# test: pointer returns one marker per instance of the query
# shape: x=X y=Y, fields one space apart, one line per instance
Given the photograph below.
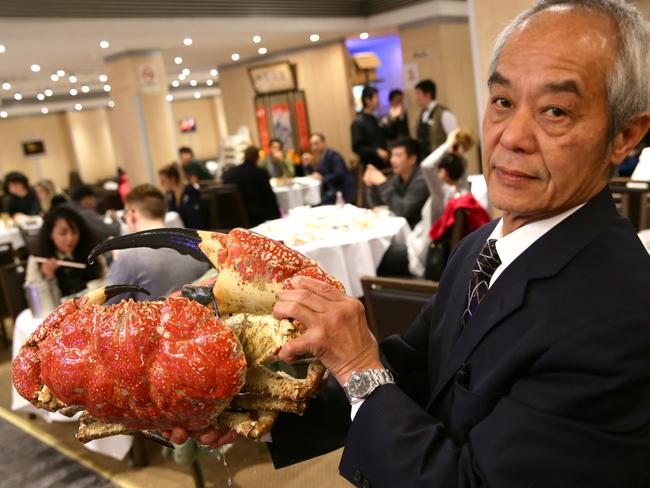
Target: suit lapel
x=546 y=257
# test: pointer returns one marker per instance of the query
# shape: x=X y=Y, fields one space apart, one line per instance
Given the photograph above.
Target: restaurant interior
x=97 y=98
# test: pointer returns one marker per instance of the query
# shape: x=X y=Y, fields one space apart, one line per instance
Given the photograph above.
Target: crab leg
x=262 y=380
x=245 y=425
x=101 y=295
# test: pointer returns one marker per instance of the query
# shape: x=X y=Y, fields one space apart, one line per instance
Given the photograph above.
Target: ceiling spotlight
x=78 y=106
x=48 y=93
x=314 y=38
x=178 y=60
x=214 y=72
x=54 y=77
x=193 y=83
x=186 y=71
x=85 y=89
x=257 y=39
x=175 y=83
x=6 y=86
x=107 y=88
x=182 y=77
x=3 y=114
x=40 y=96
x=197 y=95
x=72 y=79
x=18 y=96
x=73 y=92
x=104 y=44
x=44 y=110
x=262 y=50
x=103 y=78
x=60 y=73
x=3 y=48
x=35 y=68
x=235 y=57
x=170 y=98
x=187 y=41
x=111 y=103
x=209 y=82
x=364 y=36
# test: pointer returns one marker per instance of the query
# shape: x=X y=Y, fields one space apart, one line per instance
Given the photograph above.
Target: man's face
x=401 y=162
x=186 y=157
x=17 y=189
x=317 y=144
x=275 y=146
x=422 y=99
x=372 y=103
x=546 y=122
x=397 y=101
x=89 y=201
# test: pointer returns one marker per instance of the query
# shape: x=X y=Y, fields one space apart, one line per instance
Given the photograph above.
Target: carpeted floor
x=247 y=464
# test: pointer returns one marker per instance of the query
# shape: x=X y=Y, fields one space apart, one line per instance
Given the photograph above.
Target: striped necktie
x=488 y=260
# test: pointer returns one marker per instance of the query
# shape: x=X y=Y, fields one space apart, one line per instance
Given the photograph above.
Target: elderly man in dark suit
x=530 y=368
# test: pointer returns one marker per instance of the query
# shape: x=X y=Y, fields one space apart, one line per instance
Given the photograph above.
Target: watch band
x=373 y=377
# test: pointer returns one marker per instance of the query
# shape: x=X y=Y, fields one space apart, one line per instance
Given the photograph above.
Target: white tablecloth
x=298 y=192
x=11 y=235
x=346 y=242
x=116 y=447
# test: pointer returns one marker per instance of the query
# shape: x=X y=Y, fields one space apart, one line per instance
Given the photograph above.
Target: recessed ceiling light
x=35 y=68
x=60 y=73
x=170 y=98
x=40 y=96
x=175 y=83
x=111 y=103
x=78 y=106
x=48 y=93
x=193 y=82
x=214 y=72
x=209 y=82
x=72 y=79
x=197 y=95
x=178 y=60
x=18 y=96
x=3 y=48
x=107 y=88
x=235 y=57
x=6 y=86
x=187 y=41
x=85 y=89
x=182 y=77
x=314 y=38
x=44 y=110
x=3 y=114
x=363 y=35
x=262 y=50
x=186 y=71
x=73 y=92
x=257 y=39
x=104 y=44
x=103 y=78
x=54 y=77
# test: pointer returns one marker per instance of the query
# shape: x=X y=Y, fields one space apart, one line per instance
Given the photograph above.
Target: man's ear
x=629 y=137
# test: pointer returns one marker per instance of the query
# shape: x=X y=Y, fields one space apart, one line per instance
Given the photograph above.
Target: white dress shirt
x=510 y=247
x=448 y=119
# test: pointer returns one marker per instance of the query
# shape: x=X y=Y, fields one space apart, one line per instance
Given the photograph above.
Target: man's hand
x=459 y=140
x=383 y=154
x=212 y=437
x=395 y=112
x=373 y=177
x=317 y=176
x=336 y=329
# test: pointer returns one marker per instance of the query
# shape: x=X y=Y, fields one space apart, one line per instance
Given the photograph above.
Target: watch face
x=359 y=385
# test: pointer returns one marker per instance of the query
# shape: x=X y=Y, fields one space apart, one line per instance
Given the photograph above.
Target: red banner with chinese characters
x=261 y=123
x=303 y=127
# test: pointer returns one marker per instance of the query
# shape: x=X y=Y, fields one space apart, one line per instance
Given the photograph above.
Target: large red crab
x=141 y=366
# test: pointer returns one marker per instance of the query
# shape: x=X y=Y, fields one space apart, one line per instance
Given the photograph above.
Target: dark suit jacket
x=548 y=386
x=367 y=137
x=256 y=191
x=336 y=177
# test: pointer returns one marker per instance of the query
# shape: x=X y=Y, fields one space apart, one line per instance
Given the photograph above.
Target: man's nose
x=519 y=132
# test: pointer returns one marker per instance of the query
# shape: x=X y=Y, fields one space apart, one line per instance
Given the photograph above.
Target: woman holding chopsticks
x=65 y=241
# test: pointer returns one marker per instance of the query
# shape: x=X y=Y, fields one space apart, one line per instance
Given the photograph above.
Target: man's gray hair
x=628 y=83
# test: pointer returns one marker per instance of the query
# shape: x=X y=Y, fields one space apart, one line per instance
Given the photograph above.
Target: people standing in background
x=195 y=170
x=180 y=198
x=330 y=168
x=123 y=186
x=368 y=137
x=254 y=187
x=277 y=163
x=436 y=121
x=396 y=121
x=48 y=196
x=20 y=198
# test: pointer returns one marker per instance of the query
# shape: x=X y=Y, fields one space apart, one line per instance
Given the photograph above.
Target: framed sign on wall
x=273 y=78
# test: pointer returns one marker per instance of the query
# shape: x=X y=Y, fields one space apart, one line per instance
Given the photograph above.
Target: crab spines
x=184 y=241
x=105 y=293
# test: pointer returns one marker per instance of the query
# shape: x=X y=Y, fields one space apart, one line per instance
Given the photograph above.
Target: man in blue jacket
x=331 y=170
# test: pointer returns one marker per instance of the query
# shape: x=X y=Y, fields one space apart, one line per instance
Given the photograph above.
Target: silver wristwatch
x=363 y=383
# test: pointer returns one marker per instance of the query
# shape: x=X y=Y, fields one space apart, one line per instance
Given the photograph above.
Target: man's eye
x=501 y=102
x=555 y=112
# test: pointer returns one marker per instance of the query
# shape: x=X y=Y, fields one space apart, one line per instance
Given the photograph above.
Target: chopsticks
x=67 y=264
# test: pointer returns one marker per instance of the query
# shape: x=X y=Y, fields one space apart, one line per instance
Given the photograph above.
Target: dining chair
x=393 y=303
x=12 y=277
x=225 y=207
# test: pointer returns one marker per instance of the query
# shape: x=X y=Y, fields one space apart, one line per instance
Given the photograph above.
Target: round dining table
x=296 y=192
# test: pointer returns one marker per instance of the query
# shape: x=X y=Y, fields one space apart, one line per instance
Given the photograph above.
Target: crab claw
x=101 y=295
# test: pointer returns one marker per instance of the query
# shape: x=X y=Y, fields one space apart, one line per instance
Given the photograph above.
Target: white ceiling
x=73 y=44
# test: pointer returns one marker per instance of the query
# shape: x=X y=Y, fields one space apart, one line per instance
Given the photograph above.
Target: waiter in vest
x=436 y=121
